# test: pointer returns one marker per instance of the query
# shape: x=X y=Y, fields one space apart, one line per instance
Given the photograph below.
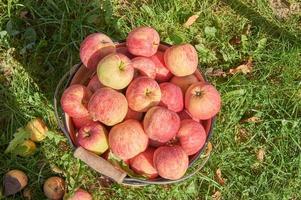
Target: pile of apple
x=143 y=105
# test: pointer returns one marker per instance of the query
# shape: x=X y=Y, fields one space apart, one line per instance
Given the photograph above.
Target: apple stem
x=122 y=65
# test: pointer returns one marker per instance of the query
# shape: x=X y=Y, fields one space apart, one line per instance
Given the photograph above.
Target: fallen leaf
x=23 y=14
x=217 y=195
x=216 y=73
x=260 y=154
x=208 y=149
x=252 y=119
x=190 y=21
x=244 y=68
x=219 y=178
x=247 y=29
x=241 y=135
x=236 y=40
x=56 y=169
x=280 y=8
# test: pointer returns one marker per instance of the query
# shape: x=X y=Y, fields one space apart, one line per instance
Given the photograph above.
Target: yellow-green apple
x=145 y=66
x=172 y=97
x=94 y=47
x=161 y=124
x=127 y=139
x=143 y=163
x=192 y=136
x=143 y=41
x=162 y=73
x=37 y=129
x=171 y=162
x=93 y=137
x=75 y=99
x=108 y=106
x=27 y=148
x=184 y=82
x=143 y=93
x=181 y=60
x=115 y=71
x=202 y=101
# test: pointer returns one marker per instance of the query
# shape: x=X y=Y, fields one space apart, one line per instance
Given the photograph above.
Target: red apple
x=184 y=114
x=143 y=41
x=192 y=136
x=131 y=114
x=143 y=93
x=172 y=97
x=94 y=84
x=80 y=122
x=181 y=60
x=145 y=66
x=184 y=82
x=74 y=101
x=202 y=101
x=127 y=139
x=108 y=106
x=124 y=51
x=161 y=124
x=93 y=137
x=143 y=163
x=94 y=48
x=171 y=162
x=81 y=194
x=115 y=71
x=162 y=73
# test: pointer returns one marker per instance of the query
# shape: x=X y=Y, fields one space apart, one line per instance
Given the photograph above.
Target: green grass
x=37 y=48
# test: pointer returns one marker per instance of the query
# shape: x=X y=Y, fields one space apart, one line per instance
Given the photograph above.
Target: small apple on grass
x=161 y=124
x=115 y=71
x=75 y=99
x=143 y=41
x=181 y=60
x=202 y=101
x=143 y=93
x=54 y=188
x=171 y=162
x=14 y=181
x=108 y=106
x=94 y=48
x=127 y=139
x=93 y=137
x=37 y=129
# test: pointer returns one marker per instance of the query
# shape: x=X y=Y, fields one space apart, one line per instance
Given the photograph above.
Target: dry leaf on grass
x=281 y=8
x=244 y=68
x=190 y=20
x=219 y=178
x=260 y=155
x=56 y=169
x=252 y=119
x=241 y=135
x=215 y=72
x=217 y=195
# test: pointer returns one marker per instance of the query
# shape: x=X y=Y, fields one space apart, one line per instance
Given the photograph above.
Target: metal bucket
x=79 y=74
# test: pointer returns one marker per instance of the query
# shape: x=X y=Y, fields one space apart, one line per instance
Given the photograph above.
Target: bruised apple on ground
x=93 y=137
x=108 y=106
x=94 y=47
x=128 y=139
x=54 y=188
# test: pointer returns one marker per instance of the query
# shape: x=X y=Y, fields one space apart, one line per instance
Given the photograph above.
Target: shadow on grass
x=258 y=20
